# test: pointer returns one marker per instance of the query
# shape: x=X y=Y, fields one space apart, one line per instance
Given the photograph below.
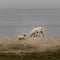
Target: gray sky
x=29 y=3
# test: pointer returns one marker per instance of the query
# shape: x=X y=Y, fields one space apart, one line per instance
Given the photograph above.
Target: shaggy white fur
x=22 y=37
x=37 y=31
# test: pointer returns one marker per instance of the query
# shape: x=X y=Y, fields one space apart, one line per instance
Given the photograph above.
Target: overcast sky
x=29 y=3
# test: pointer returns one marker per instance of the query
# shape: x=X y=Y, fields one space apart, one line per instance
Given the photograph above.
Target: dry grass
x=13 y=45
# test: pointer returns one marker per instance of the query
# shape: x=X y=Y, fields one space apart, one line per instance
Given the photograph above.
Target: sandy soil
x=37 y=44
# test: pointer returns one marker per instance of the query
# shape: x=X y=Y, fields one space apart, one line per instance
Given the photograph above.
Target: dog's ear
x=24 y=35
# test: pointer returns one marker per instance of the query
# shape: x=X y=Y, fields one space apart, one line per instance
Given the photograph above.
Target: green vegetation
x=50 y=55
x=32 y=49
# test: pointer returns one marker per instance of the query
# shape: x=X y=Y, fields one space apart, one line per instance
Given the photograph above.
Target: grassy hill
x=31 y=48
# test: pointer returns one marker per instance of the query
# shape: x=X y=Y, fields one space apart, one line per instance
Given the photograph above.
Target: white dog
x=22 y=37
x=37 y=31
